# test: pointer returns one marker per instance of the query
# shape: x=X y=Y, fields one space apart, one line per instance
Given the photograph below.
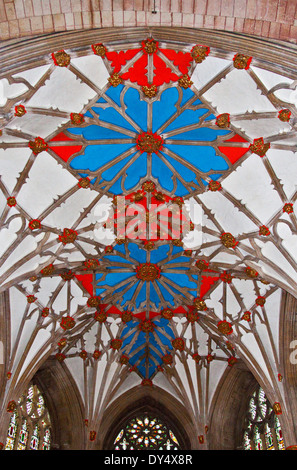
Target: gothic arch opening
x=227 y=419
x=64 y=404
x=157 y=403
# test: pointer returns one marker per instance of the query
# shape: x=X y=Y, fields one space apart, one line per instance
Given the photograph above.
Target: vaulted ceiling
x=92 y=137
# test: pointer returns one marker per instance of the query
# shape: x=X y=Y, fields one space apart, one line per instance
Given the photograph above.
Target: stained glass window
x=12 y=430
x=46 y=440
x=23 y=436
x=279 y=434
x=146 y=433
x=29 y=426
x=35 y=438
x=262 y=431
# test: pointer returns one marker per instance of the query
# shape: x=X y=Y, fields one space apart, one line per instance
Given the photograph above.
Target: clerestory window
x=29 y=427
x=262 y=430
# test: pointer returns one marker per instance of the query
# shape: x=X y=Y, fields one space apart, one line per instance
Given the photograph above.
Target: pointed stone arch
x=229 y=408
x=155 y=401
x=64 y=405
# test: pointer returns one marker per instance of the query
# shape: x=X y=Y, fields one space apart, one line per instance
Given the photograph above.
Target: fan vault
x=154 y=122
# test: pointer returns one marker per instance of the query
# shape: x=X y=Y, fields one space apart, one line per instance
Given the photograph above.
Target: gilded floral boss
x=160 y=218
x=148 y=272
x=149 y=142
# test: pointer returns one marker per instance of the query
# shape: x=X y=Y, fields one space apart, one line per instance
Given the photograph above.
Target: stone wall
x=274 y=19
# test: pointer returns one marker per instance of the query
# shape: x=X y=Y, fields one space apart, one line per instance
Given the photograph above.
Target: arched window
x=29 y=427
x=262 y=430
x=146 y=432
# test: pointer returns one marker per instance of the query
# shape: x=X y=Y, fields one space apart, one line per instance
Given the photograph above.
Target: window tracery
x=29 y=427
x=146 y=432
x=263 y=430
